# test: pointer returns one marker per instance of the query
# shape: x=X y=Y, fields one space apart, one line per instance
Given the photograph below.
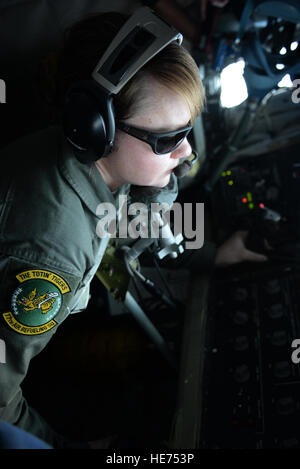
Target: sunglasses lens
x=168 y=144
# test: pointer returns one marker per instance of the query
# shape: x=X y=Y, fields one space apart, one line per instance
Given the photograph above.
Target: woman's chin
x=163 y=182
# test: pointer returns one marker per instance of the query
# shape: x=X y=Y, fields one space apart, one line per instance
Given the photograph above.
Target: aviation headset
x=88 y=115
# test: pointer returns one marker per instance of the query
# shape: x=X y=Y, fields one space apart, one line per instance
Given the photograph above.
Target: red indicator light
x=244 y=200
x=261 y=205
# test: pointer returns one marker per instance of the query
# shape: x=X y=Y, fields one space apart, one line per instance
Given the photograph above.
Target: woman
x=49 y=249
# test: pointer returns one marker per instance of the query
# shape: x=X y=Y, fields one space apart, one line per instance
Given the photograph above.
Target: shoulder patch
x=36 y=301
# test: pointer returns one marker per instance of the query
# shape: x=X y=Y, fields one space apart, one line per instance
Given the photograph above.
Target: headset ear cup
x=88 y=122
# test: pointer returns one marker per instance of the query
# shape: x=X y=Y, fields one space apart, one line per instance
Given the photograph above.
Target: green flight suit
x=49 y=252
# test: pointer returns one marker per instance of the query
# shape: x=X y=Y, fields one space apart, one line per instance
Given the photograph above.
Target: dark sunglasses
x=161 y=143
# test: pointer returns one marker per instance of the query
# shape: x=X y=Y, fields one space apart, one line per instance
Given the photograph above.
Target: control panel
x=249 y=189
x=251 y=383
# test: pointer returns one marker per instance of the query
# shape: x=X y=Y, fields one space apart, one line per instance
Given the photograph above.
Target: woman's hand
x=234 y=250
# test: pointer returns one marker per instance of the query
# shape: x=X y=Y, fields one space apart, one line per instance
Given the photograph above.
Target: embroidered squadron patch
x=36 y=301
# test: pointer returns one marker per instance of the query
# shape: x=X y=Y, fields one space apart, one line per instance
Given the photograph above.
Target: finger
x=254 y=256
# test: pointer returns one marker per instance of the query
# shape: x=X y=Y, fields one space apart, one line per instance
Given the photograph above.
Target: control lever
x=266 y=235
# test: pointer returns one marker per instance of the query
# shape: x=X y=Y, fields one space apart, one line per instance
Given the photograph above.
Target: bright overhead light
x=233 y=85
x=285 y=82
x=283 y=51
x=280 y=66
x=294 y=45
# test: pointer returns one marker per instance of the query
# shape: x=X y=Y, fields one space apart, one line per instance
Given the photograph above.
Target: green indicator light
x=249 y=196
x=228 y=173
x=251 y=206
x=224 y=173
x=230 y=182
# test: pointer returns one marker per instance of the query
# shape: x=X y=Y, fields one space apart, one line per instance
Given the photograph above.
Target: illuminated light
x=280 y=66
x=261 y=205
x=233 y=85
x=251 y=206
x=283 y=51
x=223 y=173
x=230 y=183
x=285 y=82
x=249 y=196
x=244 y=200
x=228 y=173
x=294 y=45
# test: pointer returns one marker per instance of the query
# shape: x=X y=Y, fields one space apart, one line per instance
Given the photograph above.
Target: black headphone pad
x=88 y=121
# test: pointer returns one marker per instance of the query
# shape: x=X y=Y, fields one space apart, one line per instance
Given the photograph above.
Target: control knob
x=276 y=311
x=282 y=369
x=240 y=318
x=279 y=338
x=242 y=373
x=273 y=286
x=241 y=343
x=285 y=406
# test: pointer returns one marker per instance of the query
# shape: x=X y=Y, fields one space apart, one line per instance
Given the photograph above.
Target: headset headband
x=140 y=39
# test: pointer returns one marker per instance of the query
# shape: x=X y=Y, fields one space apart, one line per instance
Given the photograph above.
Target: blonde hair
x=174 y=68
x=88 y=39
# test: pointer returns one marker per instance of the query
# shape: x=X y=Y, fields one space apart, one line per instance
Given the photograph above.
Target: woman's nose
x=183 y=150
